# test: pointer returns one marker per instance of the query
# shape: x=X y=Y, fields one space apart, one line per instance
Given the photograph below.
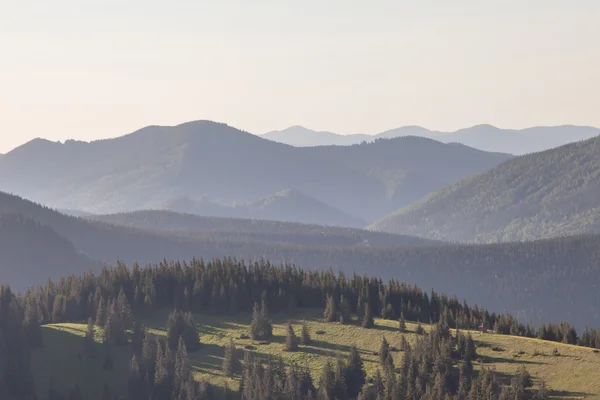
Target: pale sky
x=89 y=69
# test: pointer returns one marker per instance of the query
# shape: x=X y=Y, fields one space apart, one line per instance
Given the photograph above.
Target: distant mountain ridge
x=541 y=195
x=157 y=164
x=484 y=137
x=286 y=205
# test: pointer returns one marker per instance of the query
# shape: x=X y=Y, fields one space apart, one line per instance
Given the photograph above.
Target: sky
x=90 y=69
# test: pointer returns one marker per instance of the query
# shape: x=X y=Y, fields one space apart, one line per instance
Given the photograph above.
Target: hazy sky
x=88 y=69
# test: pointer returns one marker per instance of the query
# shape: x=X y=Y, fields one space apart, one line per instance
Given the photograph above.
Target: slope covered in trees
x=229 y=229
x=207 y=297
x=546 y=280
x=547 y=194
x=286 y=205
x=203 y=158
x=31 y=252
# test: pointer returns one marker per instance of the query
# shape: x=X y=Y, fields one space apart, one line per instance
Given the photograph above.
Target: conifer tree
x=183 y=369
x=305 y=339
x=384 y=351
x=101 y=313
x=402 y=323
x=355 y=372
x=345 y=316
x=260 y=328
x=31 y=322
x=330 y=314
x=326 y=382
x=124 y=309
x=231 y=363
x=135 y=383
x=367 y=321
x=89 y=339
x=340 y=387
x=291 y=340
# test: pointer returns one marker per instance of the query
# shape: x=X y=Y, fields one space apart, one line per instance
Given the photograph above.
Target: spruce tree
x=260 y=328
x=326 y=382
x=345 y=316
x=384 y=351
x=183 y=369
x=31 y=323
x=231 y=363
x=355 y=372
x=330 y=314
x=135 y=383
x=367 y=321
x=101 y=313
x=305 y=339
x=89 y=339
x=124 y=309
x=291 y=340
x=402 y=323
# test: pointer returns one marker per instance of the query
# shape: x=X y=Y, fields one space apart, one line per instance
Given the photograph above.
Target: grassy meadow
x=573 y=373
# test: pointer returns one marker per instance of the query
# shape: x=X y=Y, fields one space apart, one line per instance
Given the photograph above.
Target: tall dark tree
x=355 y=372
x=231 y=362
x=305 y=339
x=291 y=340
x=367 y=321
x=330 y=313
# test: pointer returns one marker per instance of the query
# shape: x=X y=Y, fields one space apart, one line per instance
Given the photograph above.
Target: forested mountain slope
x=29 y=250
x=187 y=225
x=547 y=194
x=203 y=158
x=552 y=279
x=411 y=167
x=286 y=205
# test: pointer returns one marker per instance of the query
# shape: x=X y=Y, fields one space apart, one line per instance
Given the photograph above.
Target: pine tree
x=260 y=328
x=231 y=363
x=326 y=382
x=330 y=314
x=183 y=369
x=367 y=321
x=291 y=340
x=345 y=316
x=384 y=351
x=305 y=339
x=31 y=323
x=114 y=331
x=355 y=372
x=402 y=323
x=101 y=313
x=124 y=309
x=190 y=333
x=135 y=384
x=89 y=339
x=340 y=387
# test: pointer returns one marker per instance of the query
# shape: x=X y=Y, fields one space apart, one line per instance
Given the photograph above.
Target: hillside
x=30 y=250
x=286 y=205
x=571 y=375
x=399 y=165
x=547 y=194
x=202 y=158
x=547 y=280
x=259 y=232
x=483 y=137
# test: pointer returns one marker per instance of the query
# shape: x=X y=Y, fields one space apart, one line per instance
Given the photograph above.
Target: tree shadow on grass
x=507 y=360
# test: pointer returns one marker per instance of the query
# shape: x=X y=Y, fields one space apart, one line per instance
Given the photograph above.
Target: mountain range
x=483 y=137
x=157 y=166
x=547 y=194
